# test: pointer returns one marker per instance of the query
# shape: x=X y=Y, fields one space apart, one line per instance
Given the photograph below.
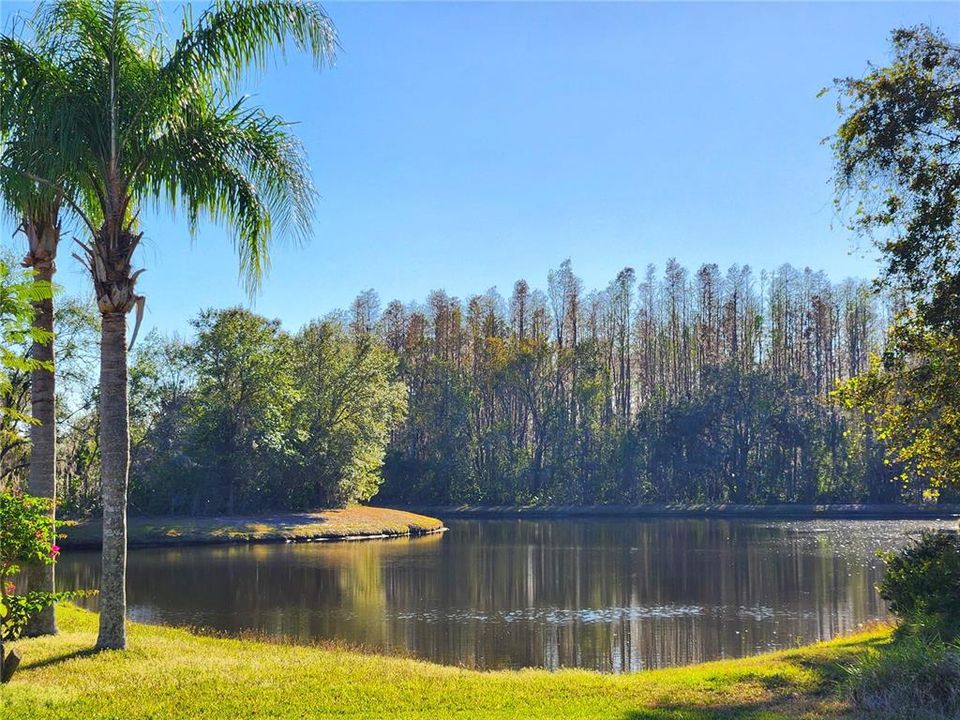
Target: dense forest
x=708 y=386
x=679 y=387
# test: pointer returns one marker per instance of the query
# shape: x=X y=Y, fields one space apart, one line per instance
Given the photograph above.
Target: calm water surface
x=612 y=595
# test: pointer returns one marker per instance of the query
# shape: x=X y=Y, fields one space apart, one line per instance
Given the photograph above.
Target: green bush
x=26 y=537
x=912 y=679
x=922 y=585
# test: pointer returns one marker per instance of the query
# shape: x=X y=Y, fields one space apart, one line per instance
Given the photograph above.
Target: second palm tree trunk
x=43 y=235
x=115 y=462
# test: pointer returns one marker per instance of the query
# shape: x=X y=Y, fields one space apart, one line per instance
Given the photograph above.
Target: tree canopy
x=898 y=167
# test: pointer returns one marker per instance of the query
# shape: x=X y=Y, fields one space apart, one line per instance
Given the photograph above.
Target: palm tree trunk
x=115 y=462
x=108 y=260
x=43 y=236
x=43 y=442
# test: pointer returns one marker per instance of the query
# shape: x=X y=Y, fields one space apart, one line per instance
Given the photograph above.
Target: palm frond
x=33 y=137
x=234 y=36
x=110 y=115
x=239 y=167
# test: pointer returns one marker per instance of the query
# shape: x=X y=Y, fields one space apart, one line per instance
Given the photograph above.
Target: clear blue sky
x=463 y=146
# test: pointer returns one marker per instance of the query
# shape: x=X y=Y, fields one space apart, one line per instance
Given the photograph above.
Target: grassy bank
x=349 y=523
x=170 y=673
x=719 y=510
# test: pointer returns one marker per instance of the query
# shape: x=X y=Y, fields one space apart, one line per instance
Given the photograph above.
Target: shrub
x=922 y=585
x=26 y=536
x=912 y=679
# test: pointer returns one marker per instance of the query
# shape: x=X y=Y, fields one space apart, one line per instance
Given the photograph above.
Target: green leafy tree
x=26 y=524
x=19 y=292
x=897 y=163
x=912 y=398
x=349 y=401
x=240 y=409
x=162 y=381
x=896 y=151
x=138 y=117
x=27 y=537
x=922 y=585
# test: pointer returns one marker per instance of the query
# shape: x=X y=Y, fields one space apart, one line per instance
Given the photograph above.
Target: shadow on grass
x=831 y=671
x=782 y=707
x=786 y=700
x=739 y=712
x=57 y=659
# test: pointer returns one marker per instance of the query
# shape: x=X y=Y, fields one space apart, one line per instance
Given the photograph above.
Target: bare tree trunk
x=43 y=236
x=115 y=462
x=43 y=453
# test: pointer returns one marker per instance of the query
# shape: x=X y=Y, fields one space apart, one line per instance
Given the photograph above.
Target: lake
x=609 y=594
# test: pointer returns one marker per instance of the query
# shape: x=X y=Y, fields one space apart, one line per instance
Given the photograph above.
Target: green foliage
x=26 y=537
x=17 y=610
x=912 y=398
x=17 y=293
x=26 y=533
x=349 y=401
x=910 y=679
x=243 y=397
x=896 y=164
x=246 y=417
x=922 y=585
x=432 y=464
x=896 y=161
x=160 y=113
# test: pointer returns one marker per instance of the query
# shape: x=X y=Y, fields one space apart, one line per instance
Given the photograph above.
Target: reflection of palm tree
x=137 y=119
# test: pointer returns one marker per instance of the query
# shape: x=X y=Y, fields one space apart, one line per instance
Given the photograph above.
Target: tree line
x=679 y=386
x=703 y=386
x=244 y=416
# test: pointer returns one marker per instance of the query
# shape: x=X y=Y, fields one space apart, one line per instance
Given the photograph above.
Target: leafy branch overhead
x=898 y=168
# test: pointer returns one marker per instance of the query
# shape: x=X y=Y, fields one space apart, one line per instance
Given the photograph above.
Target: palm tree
x=37 y=208
x=143 y=119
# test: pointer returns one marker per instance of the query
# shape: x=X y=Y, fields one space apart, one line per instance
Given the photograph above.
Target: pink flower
x=54 y=550
x=10 y=588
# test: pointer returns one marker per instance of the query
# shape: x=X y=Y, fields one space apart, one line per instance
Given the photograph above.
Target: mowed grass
x=351 y=522
x=171 y=673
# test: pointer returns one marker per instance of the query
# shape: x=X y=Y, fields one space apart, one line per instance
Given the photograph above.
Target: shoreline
x=170 y=672
x=351 y=524
x=707 y=510
x=371 y=522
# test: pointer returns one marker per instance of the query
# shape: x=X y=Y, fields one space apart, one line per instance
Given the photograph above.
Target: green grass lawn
x=170 y=673
x=354 y=521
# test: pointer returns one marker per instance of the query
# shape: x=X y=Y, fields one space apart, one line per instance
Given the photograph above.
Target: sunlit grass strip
x=356 y=522
x=170 y=673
